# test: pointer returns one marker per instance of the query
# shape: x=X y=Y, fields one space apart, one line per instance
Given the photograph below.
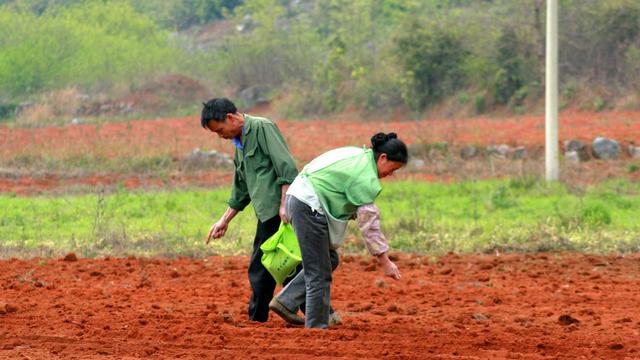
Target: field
x=102 y=253
x=150 y=153
x=495 y=306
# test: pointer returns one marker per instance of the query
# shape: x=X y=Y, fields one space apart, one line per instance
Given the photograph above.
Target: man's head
x=221 y=116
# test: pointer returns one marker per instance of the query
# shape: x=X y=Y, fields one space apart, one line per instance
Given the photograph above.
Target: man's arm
x=220 y=228
x=273 y=144
x=239 y=192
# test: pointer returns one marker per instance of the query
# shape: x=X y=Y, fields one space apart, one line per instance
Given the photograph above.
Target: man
x=264 y=168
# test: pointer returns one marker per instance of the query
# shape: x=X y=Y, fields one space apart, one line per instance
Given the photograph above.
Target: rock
x=381 y=283
x=6 y=308
x=567 y=320
x=416 y=163
x=254 y=95
x=503 y=150
x=480 y=317
x=218 y=159
x=606 y=149
x=468 y=152
x=70 y=257
x=572 y=156
x=520 y=153
x=22 y=107
x=576 y=150
x=246 y=25
x=574 y=145
x=634 y=151
x=82 y=97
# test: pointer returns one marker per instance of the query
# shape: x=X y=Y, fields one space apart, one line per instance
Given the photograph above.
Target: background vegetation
x=514 y=215
x=311 y=57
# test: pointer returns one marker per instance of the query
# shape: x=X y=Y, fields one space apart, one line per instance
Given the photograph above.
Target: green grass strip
x=431 y=218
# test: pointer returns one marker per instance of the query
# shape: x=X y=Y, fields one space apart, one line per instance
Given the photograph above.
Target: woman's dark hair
x=389 y=144
x=216 y=109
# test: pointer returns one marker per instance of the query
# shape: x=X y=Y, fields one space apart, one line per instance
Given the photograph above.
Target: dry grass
x=52 y=105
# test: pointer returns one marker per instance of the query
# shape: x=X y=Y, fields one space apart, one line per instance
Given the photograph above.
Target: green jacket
x=261 y=168
x=344 y=179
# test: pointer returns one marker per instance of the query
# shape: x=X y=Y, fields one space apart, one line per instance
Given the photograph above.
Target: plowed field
x=543 y=306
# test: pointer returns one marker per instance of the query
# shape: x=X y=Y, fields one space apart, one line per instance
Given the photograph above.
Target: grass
x=480 y=216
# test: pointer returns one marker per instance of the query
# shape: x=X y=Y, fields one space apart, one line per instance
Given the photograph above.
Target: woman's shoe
x=288 y=315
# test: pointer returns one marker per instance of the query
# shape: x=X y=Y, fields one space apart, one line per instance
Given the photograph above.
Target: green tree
x=432 y=61
x=93 y=44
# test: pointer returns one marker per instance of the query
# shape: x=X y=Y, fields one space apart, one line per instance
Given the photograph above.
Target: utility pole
x=551 y=93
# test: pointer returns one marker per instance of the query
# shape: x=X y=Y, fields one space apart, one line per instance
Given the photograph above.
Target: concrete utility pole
x=551 y=93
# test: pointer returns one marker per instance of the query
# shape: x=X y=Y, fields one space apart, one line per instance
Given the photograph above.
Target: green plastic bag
x=281 y=253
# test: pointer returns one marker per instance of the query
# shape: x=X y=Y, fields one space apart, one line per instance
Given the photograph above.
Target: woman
x=334 y=188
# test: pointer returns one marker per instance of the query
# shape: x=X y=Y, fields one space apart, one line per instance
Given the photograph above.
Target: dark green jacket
x=262 y=167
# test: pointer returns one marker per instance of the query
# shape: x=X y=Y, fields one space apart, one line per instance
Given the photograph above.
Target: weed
x=501 y=199
x=595 y=215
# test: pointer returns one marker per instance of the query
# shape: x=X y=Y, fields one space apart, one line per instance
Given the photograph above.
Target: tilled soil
x=499 y=306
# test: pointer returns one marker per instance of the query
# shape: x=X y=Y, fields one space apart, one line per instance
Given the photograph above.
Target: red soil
x=178 y=137
x=543 y=306
x=29 y=185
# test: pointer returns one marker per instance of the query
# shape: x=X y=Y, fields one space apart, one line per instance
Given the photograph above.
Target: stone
x=520 y=153
x=70 y=257
x=634 y=151
x=606 y=149
x=574 y=145
x=576 y=150
x=572 y=156
x=416 y=163
x=491 y=150
x=468 y=152
x=503 y=150
x=218 y=159
x=22 y=107
x=254 y=95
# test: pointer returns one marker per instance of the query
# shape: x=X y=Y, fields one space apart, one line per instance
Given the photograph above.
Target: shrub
x=91 y=44
x=432 y=61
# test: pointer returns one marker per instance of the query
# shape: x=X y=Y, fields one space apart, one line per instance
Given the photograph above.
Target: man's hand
x=217 y=230
x=390 y=269
x=220 y=228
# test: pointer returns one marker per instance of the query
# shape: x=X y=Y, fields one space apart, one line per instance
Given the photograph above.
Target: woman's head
x=390 y=153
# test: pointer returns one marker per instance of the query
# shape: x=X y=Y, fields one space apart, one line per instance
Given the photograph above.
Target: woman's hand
x=390 y=269
x=283 y=215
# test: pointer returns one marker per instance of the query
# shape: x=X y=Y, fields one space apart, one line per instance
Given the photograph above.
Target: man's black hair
x=217 y=110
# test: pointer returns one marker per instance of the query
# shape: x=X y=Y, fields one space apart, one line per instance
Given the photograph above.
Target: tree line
x=325 y=56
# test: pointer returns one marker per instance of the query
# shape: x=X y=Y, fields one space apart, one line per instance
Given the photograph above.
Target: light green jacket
x=344 y=179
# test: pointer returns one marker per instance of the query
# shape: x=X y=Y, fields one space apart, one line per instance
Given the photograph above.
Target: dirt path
x=543 y=306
